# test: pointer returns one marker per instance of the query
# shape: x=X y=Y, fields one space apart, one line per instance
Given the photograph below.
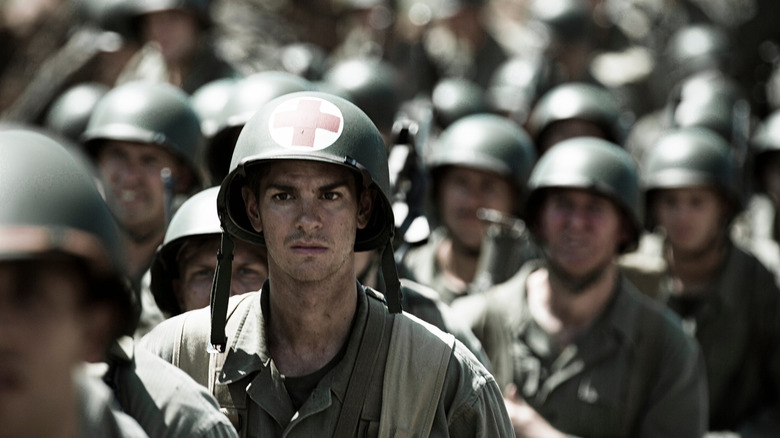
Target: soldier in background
x=480 y=162
x=727 y=299
x=177 y=46
x=575 y=347
x=183 y=269
x=62 y=296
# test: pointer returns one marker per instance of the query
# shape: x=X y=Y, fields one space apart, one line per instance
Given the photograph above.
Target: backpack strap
x=376 y=336
x=410 y=398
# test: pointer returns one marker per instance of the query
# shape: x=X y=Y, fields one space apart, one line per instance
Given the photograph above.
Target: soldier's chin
x=576 y=283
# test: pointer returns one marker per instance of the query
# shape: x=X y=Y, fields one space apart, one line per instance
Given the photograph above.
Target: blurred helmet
x=455 y=98
x=371 y=84
x=247 y=96
x=577 y=101
x=70 y=112
x=197 y=217
x=52 y=207
x=201 y=9
x=568 y=20
x=147 y=112
x=485 y=142
x=697 y=48
x=692 y=157
x=592 y=164
x=516 y=85
x=209 y=100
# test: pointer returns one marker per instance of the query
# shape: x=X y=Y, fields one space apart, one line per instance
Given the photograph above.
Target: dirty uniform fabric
x=470 y=403
x=737 y=323
x=633 y=373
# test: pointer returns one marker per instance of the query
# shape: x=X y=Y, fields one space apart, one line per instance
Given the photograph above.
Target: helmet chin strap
x=389 y=279
x=220 y=293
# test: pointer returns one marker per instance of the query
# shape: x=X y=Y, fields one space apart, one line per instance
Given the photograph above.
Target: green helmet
x=310 y=126
x=147 y=112
x=51 y=206
x=371 y=84
x=592 y=164
x=691 y=157
x=697 y=48
x=246 y=98
x=197 y=217
x=70 y=112
x=485 y=142
x=591 y=103
x=455 y=98
x=209 y=100
x=332 y=130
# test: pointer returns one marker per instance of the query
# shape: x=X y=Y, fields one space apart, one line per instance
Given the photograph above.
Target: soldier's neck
x=139 y=252
x=693 y=271
x=307 y=325
x=457 y=261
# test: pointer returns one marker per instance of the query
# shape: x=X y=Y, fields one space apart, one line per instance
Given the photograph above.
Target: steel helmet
x=209 y=100
x=70 y=112
x=310 y=126
x=371 y=84
x=454 y=98
x=485 y=142
x=592 y=164
x=516 y=85
x=691 y=157
x=591 y=103
x=51 y=206
x=196 y=217
x=569 y=20
x=147 y=112
x=248 y=95
x=697 y=48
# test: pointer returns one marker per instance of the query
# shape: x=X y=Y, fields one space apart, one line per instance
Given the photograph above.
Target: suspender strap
x=374 y=334
x=220 y=292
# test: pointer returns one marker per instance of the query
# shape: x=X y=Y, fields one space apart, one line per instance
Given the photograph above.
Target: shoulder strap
x=409 y=409
x=376 y=333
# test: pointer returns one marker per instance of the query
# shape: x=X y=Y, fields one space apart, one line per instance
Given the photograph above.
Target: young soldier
x=727 y=299
x=61 y=296
x=577 y=350
x=182 y=271
x=314 y=353
x=479 y=162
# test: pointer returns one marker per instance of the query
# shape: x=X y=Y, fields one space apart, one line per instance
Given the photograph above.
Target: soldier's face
x=309 y=213
x=249 y=270
x=463 y=191
x=694 y=218
x=134 y=188
x=581 y=233
x=46 y=330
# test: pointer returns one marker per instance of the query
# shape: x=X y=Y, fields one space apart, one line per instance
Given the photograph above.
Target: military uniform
x=98 y=414
x=737 y=324
x=162 y=399
x=422 y=266
x=633 y=373
x=470 y=403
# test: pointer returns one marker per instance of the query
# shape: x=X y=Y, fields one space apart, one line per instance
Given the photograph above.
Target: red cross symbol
x=305 y=120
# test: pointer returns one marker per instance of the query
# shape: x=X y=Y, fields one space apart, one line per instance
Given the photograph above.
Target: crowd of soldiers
x=532 y=218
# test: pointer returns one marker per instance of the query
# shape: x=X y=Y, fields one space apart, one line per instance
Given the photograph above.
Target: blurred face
x=134 y=188
x=694 y=218
x=581 y=233
x=309 y=214
x=463 y=191
x=46 y=330
x=197 y=265
x=174 y=31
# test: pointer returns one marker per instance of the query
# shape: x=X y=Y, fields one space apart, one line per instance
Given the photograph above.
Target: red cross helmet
x=311 y=126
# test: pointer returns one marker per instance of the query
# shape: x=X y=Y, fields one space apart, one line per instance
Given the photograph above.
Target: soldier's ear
x=365 y=207
x=252 y=208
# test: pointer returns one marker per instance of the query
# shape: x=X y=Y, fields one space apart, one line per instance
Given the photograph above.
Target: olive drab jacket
x=738 y=328
x=633 y=373
x=454 y=395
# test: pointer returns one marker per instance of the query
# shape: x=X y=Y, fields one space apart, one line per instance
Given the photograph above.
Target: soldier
x=183 y=269
x=314 y=353
x=575 y=347
x=136 y=131
x=727 y=299
x=61 y=294
x=177 y=44
x=479 y=162
x=575 y=110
